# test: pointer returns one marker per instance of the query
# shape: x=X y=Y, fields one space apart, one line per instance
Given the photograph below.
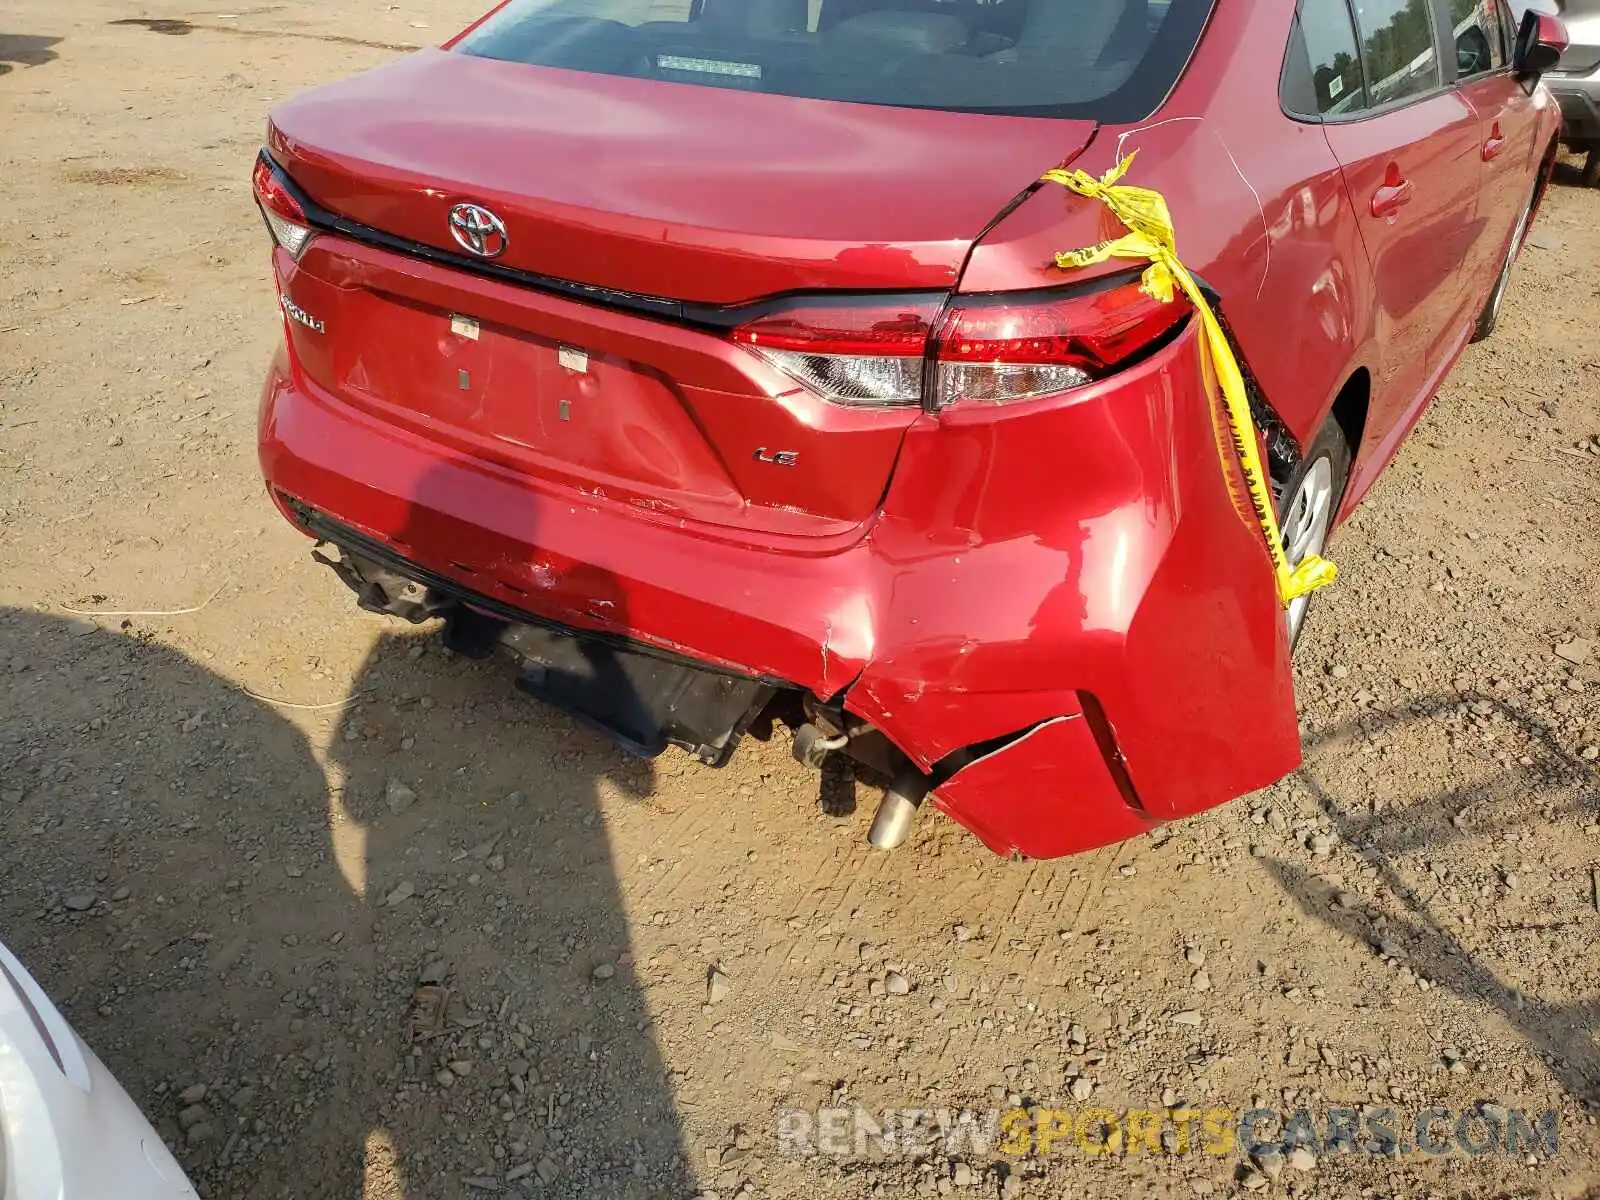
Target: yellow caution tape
x=1150 y=237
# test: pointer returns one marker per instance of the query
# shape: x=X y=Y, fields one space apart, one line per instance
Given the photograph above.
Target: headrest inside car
x=928 y=33
x=757 y=16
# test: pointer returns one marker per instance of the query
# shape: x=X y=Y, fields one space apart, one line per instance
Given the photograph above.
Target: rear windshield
x=1104 y=60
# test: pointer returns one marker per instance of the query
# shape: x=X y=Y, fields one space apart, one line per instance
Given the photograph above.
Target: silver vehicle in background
x=1575 y=82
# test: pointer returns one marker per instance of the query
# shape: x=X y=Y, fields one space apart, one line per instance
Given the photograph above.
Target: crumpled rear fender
x=1087 y=554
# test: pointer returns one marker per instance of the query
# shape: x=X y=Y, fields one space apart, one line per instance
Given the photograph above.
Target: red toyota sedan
x=711 y=359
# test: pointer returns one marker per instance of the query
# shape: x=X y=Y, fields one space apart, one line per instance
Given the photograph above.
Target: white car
x=67 y=1129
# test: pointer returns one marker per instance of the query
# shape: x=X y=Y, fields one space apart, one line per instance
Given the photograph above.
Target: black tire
x=1330 y=446
x=1590 y=175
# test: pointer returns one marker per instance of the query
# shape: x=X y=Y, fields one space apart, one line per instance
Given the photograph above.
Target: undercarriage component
x=382 y=590
x=642 y=702
x=642 y=699
x=812 y=745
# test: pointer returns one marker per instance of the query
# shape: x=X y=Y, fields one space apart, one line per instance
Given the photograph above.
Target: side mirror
x=1540 y=41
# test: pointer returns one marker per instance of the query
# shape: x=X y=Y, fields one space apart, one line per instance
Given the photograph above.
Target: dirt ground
x=236 y=838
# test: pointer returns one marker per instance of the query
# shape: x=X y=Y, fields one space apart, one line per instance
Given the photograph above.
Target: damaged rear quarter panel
x=1089 y=543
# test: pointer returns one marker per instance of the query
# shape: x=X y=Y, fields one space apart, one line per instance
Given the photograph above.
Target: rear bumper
x=1579 y=99
x=1066 y=597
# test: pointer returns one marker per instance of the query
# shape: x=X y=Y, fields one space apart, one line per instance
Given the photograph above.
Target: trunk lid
x=700 y=196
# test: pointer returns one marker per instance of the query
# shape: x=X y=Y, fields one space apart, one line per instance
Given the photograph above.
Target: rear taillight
x=991 y=349
x=866 y=354
x=286 y=219
x=994 y=350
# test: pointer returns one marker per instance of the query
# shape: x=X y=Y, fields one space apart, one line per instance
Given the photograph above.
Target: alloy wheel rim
x=1504 y=282
x=1305 y=529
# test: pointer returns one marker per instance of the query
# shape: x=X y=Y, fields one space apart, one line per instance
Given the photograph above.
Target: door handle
x=1387 y=200
x=1493 y=144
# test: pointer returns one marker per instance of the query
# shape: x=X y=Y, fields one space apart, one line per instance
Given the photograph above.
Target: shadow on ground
x=279 y=916
x=25 y=50
x=1564 y=1035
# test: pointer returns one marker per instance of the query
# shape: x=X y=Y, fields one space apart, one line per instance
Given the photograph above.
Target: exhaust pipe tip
x=897 y=811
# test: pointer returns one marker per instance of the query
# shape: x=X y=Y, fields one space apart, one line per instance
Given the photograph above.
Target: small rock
x=193 y=1115
x=461 y=1068
x=603 y=972
x=398 y=796
x=200 y=1131
x=1082 y=1088
x=897 y=984
x=1194 y=956
x=1320 y=844
x=1576 y=652
x=192 y=1094
x=434 y=973
x=1302 y=1159
x=403 y=892
x=243 y=1098
x=717 y=986
x=121 y=894
x=1253 y=1181
x=1187 y=1016
x=79 y=903
x=961 y=1176
x=1339 y=671
x=962 y=933
x=1269 y=1162
x=1200 y=981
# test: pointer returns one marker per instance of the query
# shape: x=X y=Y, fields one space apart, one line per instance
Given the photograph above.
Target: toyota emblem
x=478 y=231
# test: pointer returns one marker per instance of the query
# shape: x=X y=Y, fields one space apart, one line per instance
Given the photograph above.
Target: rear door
x=1507 y=124
x=1408 y=144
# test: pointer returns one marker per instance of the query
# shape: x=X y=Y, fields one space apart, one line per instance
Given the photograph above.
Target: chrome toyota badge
x=478 y=231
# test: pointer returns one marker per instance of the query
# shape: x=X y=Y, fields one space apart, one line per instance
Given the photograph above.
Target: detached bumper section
x=1062 y=616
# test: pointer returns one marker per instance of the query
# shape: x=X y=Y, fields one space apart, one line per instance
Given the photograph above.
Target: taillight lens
x=868 y=355
x=286 y=219
x=991 y=349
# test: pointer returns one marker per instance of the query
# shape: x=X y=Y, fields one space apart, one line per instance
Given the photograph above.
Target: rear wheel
x=1306 y=507
x=1490 y=316
x=1590 y=175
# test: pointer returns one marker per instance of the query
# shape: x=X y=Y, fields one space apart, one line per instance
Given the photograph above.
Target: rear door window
x=1322 y=74
x=1104 y=60
x=1479 y=37
x=1397 y=43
